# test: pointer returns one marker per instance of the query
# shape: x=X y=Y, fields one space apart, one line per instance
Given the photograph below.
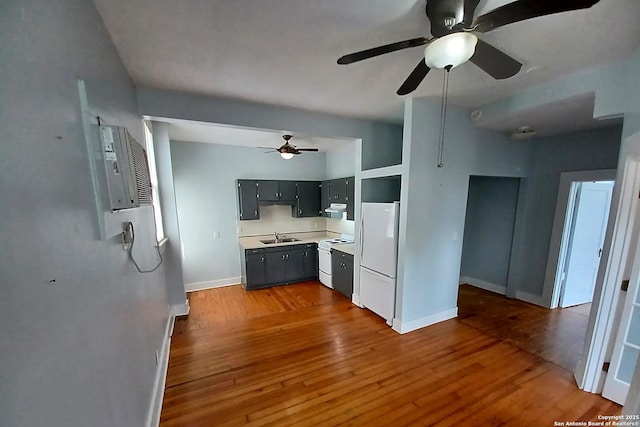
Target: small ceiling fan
x=287 y=150
x=454 y=41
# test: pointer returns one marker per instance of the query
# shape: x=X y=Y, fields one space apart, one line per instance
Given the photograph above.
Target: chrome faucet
x=276 y=235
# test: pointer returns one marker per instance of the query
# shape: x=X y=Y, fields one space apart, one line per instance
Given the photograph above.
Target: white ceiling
x=568 y=115
x=190 y=131
x=284 y=51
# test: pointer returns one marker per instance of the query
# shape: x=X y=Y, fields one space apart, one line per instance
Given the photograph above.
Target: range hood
x=336 y=209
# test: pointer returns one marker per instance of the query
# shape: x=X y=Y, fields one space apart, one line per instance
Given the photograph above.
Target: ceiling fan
x=454 y=41
x=287 y=150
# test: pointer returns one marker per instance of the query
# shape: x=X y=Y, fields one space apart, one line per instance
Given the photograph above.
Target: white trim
x=382 y=172
x=355 y=300
x=157 y=395
x=531 y=298
x=180 y=309
x=487 y=286
x=201 y=286
x=412 y=325
x=602 y=327
x=561 y=226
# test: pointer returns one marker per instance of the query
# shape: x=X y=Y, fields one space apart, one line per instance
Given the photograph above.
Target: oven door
x=324 y=260
x=324 y=265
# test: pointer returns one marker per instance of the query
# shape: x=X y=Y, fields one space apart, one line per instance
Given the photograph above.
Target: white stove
x=324 y=257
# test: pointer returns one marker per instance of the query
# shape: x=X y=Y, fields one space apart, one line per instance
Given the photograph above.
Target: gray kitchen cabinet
x=275 y=191
x=276 y=267
x=350 y=198
x=256 y=271
x=325 y=197
x=288 y=190
x=279 y=265
x=248 y=199
x=307 y=199
x=268 y=191
x=310 y=261
x=342 y=270
x=338 y=190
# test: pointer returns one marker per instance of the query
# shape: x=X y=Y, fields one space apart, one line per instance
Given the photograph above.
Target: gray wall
x=341 y=163
x=80 y=351
x=588 y=150
x=488 y=228
x=206 y=195
x=434 y=200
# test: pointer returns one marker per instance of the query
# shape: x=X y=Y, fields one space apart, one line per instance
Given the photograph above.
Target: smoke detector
x=523 y=132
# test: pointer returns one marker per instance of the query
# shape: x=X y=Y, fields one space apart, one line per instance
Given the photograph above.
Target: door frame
x=562 y=223
x=602 y=320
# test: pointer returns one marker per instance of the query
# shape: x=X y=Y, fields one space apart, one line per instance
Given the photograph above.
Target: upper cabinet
x=274 y=191
x=248 y=199
x=325 y=197
x=351 y=198
x=342 y=190
x=308 y=199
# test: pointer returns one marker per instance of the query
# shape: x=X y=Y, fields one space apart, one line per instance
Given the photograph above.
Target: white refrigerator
x=378 y=257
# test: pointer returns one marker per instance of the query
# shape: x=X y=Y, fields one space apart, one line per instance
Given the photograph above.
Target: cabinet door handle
x=276 y=194
x=256 y=212
x=283 y=256
x=287 y=256
x=300 y=212
x=262 y=259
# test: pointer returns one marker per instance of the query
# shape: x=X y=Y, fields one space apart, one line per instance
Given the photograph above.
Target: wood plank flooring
x=303 y=355
x=555 y=335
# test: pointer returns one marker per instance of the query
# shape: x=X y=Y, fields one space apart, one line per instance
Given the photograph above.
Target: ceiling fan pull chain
x=443 y=113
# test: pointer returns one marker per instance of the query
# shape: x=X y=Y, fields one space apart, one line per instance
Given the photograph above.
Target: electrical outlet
x=127 y=237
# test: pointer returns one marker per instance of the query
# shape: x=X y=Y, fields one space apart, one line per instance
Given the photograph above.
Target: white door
x=585 y=246
x=627 y=345
x=379 y=237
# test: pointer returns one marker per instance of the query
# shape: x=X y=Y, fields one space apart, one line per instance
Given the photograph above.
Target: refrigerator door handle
x=361 y=236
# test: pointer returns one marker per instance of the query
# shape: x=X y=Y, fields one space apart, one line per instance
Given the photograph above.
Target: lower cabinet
x=342 y=271
x=279 y=265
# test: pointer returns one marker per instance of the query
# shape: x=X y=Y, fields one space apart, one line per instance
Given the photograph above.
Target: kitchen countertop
x=346 y=248
x=253 y=242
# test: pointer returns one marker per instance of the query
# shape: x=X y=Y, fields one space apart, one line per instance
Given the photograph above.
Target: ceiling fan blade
x=381 y=50
x=494 y=62
x=526 y=9
x=268 y=148
x=307 y=149
x=415 y=78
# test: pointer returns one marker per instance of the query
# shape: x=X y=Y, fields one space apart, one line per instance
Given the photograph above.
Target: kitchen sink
x=285 y=240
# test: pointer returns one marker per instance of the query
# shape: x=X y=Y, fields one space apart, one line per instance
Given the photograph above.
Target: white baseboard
x=531 y=298
x=487 y=286
x=180 y=309
x=201 y=286
x=355 y=300
x=155 y=408
x=412 y=325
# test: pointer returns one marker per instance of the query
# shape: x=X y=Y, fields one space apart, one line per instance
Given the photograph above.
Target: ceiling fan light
x=451 y=50
x=286 y=156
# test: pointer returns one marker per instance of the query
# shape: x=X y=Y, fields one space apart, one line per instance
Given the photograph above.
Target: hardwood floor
x=304 y=355
x=555 y=335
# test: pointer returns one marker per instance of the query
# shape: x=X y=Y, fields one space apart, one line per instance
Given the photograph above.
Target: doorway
x=489 y=227
x=586 y=219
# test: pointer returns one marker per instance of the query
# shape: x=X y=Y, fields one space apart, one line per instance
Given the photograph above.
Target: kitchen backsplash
x=278 y=218
x=340 y=226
